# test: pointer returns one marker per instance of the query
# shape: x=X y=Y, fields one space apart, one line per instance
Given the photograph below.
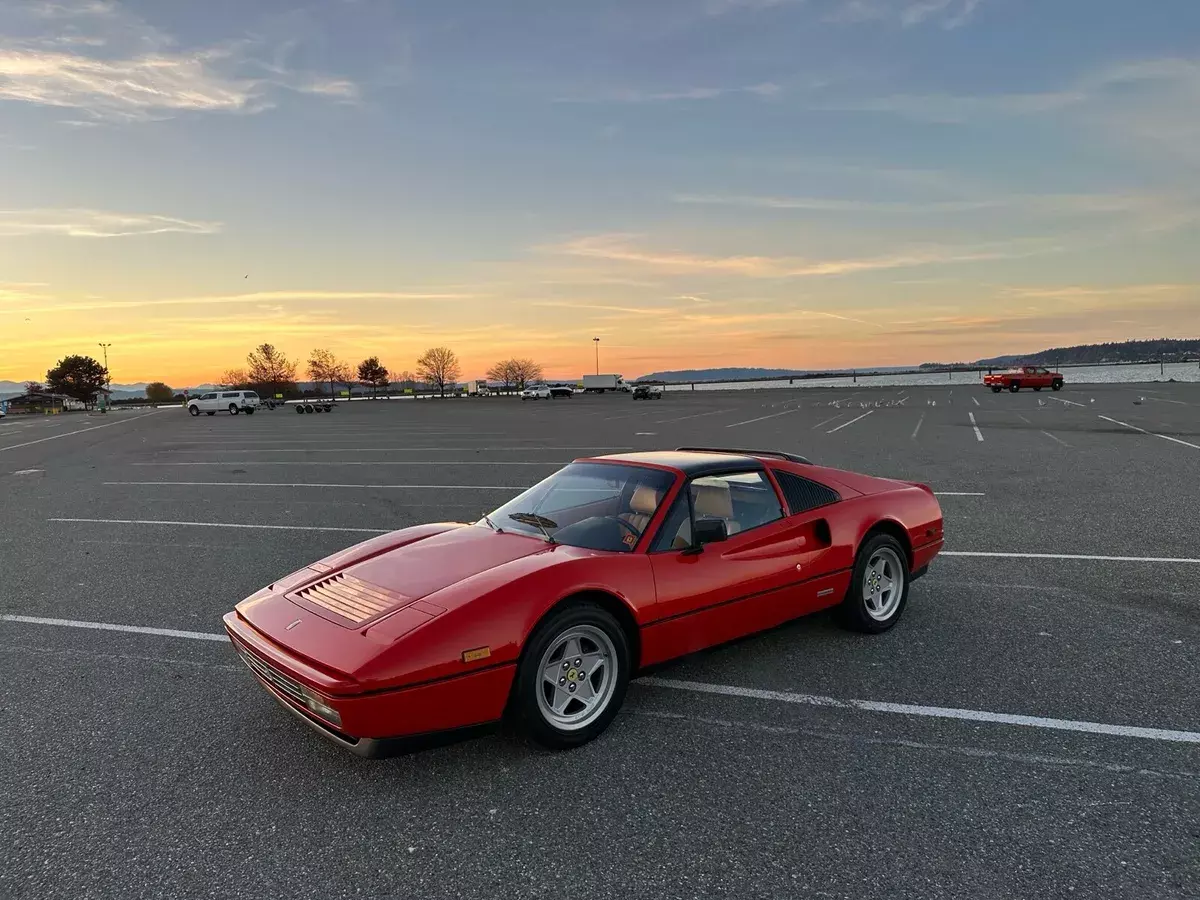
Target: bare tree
x=372 y=373
x=269 y=369
x=232 y=378
x=405 y=379
x=525 y=371
x=502 y=372
x=324 y=366
x=439 y=367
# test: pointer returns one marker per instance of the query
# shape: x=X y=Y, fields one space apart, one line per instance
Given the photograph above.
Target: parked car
x=536 y=392
x=1035 y=377
x=542 y=611
x=561 y=390
x=647 y=392
x=231 y=401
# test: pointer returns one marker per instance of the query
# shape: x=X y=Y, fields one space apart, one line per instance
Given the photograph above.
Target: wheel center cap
x=572 y=674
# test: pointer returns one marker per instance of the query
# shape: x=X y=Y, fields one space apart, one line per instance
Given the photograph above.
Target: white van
x=232 y=402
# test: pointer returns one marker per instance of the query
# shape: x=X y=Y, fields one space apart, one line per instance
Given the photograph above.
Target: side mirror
x=709 y=531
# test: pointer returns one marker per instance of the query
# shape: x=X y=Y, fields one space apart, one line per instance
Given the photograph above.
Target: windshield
x=601 y=506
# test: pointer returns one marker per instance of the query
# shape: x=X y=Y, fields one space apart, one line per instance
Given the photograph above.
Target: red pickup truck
x=1034 y=377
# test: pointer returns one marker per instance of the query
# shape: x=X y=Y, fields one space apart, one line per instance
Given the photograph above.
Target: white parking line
x=960 y=493
x=714 y=412
x=827 y=421
x=697 y=687
x=445 y=463
x=937 y=712
x=1053 y=438
x=310 y=484
x=407 y=449
x=762 y=418
x=1144 y=431
x=851 y=422
x=223 y=525
x=1005 y=555
x=55 y=437
x=978 y=433
x=105 y=626
x=1165 y=400
x=1071 y=402
x=918 y=428
x=975 y=401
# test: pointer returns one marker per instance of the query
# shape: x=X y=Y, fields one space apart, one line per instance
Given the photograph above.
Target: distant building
x=39 y=402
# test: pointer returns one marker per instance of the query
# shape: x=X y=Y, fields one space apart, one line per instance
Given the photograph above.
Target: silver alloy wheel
x=578 y=677
x=883 y=584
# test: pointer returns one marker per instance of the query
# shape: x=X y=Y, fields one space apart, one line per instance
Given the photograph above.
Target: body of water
x=1142 y=373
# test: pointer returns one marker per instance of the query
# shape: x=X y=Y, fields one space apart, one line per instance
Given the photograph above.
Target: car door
x=207 y=402
x=767 y=571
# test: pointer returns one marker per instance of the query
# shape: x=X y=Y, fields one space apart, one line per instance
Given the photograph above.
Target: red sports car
x=543 y=610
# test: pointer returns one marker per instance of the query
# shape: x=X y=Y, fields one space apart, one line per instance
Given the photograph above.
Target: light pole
x=107 y=377
x=596 y=341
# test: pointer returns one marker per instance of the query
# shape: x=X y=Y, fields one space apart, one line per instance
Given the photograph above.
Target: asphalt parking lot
x=141 y=764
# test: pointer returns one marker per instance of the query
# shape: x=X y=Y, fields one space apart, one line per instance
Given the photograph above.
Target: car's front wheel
x=572 y=677
x=194 y=410
x=878 y=587
x=233 y=410
x=1057 y=385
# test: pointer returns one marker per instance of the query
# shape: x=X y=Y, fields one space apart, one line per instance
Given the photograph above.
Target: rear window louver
x=802 y=494
x=351 y=598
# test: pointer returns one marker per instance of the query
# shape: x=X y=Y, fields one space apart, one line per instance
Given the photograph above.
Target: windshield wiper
x=496 y=528
x=539 y=522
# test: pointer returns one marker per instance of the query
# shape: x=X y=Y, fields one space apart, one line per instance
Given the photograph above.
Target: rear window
x=230 y=395
x=802 y=494
x=251 y=395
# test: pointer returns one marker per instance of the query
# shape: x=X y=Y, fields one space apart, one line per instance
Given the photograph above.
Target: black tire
x=853 y=613
x=308 y=409
x=995 y=388
x=249 y=410
x=1037 y=387
x=1014 y=386
x=1056 y=385
x=300 y=410
x=211 y=412
x=524 y=706
x=233 y=410
x=194 y=410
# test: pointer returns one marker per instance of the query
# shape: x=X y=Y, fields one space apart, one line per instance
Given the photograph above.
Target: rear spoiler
x=772 y=454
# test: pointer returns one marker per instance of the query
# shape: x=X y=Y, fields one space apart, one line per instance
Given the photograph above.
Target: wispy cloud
x=633 y=95
x=619 y=248
x=949 y=14
x=142 y=74
x=95 y=223
x=253 y=298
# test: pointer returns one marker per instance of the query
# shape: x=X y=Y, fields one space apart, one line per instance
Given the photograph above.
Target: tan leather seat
x=642 y=505
x=712 y=501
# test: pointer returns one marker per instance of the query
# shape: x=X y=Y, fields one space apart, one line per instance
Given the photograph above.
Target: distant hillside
x=1167 y=350
x=719 y=374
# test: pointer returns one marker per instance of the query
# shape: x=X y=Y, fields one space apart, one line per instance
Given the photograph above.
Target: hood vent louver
x=352 y=598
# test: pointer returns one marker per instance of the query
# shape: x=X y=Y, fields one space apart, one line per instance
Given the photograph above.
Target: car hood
x=362 y=591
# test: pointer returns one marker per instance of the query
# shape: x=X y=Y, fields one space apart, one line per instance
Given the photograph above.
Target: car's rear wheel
x=572 y=677
x=194 y=410
x=878 y=588
x=1015 y=386
x=995 y=388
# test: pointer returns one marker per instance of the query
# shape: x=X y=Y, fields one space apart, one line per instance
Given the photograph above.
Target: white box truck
x=598 y=384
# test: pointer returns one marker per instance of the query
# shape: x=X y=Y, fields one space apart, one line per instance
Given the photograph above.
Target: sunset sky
x=785 y=183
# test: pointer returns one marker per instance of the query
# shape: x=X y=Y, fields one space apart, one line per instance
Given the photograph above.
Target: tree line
x=269 y=371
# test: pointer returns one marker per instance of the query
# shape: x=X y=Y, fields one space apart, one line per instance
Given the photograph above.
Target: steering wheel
x=637 y=535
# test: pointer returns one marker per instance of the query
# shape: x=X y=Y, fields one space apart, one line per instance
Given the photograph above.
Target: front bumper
x=384 y=722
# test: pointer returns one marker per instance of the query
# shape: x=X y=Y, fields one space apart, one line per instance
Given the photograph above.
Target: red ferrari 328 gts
x=544 y=609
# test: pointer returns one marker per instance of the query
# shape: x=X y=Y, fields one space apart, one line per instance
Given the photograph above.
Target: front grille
x=276 y=679
x=351 y=598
